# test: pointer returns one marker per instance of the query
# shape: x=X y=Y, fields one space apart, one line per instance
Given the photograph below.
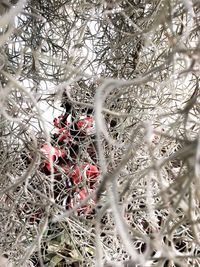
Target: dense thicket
x=136 y=64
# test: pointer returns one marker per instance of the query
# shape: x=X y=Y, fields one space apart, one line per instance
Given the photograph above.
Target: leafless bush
x=136 y=63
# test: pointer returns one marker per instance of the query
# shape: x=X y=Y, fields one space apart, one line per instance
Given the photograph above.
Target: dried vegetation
x=137 y=63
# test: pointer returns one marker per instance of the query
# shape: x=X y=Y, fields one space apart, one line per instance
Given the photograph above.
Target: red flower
x=75 y=175
x=53 y=152
x=57 y=121
x=64 y=135
x=63 y=120
x=82 y=194
x=87 y=171
x=79 y=196
x=92 y=172
x=86 y=125
x=49 y=150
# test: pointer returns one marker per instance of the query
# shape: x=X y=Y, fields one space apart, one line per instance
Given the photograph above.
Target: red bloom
x=86 y=125
x=92 y=172
x=49 y=150
x=64 y=135
x=79 y=196
x=75 y=175
x=82 y=194
x=62 y=121
x=87 y=171
x=57 y=121
x=51 y=153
